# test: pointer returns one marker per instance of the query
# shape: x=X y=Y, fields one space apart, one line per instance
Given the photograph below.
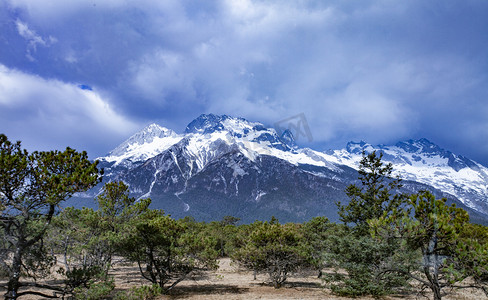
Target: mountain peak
x=288 y=138
x=425 y=141
x=241 y=129
x=422 y=145
x=425 y=144
x=357 y=147
x=153 y=127
x=145 y=136
x=216 y=144
x=206 y=123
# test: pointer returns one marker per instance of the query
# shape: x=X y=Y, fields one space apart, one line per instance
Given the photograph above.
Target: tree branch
x=43 y=286
x=37 y=294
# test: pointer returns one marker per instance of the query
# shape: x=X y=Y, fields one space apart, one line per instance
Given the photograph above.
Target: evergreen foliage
x=225 y=232
x=316 y=233
x=166 y=250
x=31 y=187
x=87 y=239
x=378 y=193
x=78 y=235
x=366 y=261
x=439 y=232
x=386 y=240
x=275 y=249
x=367 y=264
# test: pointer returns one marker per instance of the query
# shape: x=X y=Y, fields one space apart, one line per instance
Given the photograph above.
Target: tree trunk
x=13 y=283
x=437 y=292
x=433 y=282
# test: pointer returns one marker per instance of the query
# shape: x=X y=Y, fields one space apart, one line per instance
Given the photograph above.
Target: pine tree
x=31 y=188
x=167 y=250
x=274 y=248
x=366 y=261
x=451 y=248
x=378 y=193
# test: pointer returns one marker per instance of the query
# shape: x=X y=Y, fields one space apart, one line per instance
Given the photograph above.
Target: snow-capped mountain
x=204 y=138
x=145 y=144
x=425 y=162
x=227 y=166
x=223 y=166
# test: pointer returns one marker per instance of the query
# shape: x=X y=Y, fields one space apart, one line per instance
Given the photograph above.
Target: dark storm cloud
x=380 y=71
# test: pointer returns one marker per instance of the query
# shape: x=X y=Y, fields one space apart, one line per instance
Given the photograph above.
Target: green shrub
x=95 y=291
x=274 y=248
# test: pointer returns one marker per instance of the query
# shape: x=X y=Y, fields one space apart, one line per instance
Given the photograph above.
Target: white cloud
x=159 y=73
x=33 y=39
x=28 y=34
x=374 y=70
x=52 y=110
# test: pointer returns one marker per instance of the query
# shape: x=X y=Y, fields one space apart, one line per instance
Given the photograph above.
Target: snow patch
x=259 y=196
x=429 y=167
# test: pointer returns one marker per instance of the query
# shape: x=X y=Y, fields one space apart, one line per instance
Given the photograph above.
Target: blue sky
x=88 y=74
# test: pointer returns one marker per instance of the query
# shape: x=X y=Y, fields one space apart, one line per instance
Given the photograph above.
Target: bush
x=95 y=291
x=368 y=264
x=167 y=250
x=274 y=249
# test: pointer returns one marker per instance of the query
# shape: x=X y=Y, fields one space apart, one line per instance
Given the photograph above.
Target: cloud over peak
x=373 y=70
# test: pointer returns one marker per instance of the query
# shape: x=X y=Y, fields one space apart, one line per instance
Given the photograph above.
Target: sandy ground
x=231 y=283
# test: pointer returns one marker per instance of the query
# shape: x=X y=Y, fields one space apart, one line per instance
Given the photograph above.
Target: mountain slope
x=145 y=144
x=230 y=166
x=224 y=165
x=425 y=162
x=205 y=134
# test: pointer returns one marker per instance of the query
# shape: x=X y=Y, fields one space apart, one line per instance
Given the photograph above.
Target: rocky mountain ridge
x=223 y=165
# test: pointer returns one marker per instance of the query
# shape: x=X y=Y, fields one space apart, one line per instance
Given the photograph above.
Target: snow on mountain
x=147 y=143
x=209 y=137
x=425 y=162
x=240 y=129
x=223 y=165
x=254 y=139
x=203 y=139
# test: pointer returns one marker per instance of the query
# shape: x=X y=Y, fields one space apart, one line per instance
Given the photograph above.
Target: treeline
x=387 y=242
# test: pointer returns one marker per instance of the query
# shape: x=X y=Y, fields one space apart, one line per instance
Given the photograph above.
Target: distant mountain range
x=223 y=165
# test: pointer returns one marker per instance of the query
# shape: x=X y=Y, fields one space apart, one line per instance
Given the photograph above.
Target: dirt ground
x=231 y=283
